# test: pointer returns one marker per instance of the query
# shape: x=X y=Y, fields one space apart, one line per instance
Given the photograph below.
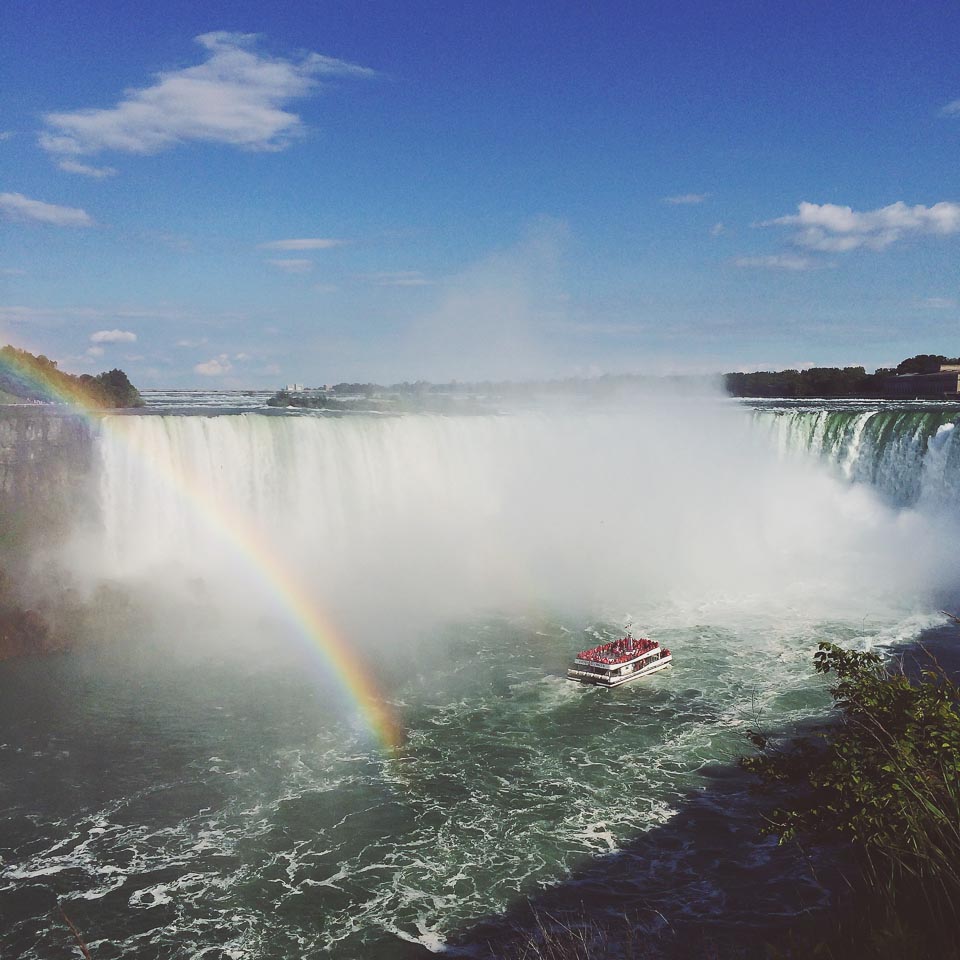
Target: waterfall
x=911 y=457
x=430 y=516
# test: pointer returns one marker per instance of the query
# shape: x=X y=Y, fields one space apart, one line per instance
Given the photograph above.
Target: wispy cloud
x=686 y=199
x=236 y=96
x=717 y=229
x=835 y=229
x=398 y=278
x=938 y=303
x=113 y=336
x=192 y=344
x=952 y=108
x=305 y=243
x=779 y=261
x=171 y=241
x=215 y=367
x=20 y=313
x=85 y=170
x=12 y=272
x=292 y=265
x=95 y=351
x=15 y=206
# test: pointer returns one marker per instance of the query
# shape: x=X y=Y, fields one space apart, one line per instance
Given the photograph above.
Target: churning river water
x=196 y=779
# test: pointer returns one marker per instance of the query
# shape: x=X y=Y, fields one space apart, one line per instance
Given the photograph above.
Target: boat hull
x=610 y=679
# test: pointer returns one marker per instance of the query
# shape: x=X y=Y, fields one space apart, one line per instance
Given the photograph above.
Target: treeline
x=356 y=389
x=28 y=377
x=283 y=398
x=602 y=386
x=828 y=381
x=849 y=382
x=814 y=382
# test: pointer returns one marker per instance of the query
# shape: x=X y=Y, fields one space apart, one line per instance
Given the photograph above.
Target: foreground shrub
x=884 y=779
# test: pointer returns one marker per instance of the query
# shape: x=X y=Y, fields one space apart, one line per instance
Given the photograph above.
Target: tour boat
x=619 y=661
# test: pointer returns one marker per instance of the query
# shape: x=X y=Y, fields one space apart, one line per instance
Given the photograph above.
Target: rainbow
x=312 y=625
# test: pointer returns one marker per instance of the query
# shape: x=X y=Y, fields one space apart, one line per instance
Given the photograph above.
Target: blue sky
x=250 y=194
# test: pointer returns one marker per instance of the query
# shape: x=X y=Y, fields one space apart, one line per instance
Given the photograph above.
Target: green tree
x=883 y=781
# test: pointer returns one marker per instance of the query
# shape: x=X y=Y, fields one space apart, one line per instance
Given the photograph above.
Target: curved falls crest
x=420 y=518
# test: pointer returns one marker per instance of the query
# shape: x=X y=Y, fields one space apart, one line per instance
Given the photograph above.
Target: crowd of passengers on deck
x=620 y=651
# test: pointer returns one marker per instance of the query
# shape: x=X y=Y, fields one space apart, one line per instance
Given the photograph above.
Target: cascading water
x=910 y=456
x=204 y=776
x=450 y=515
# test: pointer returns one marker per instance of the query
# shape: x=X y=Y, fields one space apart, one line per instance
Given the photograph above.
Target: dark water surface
x=208 y=806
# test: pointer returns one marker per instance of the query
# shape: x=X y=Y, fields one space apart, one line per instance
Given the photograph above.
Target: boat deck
x=619 y=661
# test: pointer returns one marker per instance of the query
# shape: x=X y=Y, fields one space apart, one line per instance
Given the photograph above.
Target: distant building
x=942 y=385
x=293 y=387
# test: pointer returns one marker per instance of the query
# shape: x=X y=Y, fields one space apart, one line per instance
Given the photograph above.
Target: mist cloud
x=494 y=319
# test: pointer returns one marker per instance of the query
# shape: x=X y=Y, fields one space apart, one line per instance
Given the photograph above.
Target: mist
x=394 y=525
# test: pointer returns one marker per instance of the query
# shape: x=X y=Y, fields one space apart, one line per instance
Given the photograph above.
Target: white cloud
x=85 y=170
x=15 y=206
x=5 y=135
x=191 y=344
x=12 y=272
x=952 y=108
x=236 y=96
x=779 y=261
x=717 y=229
x=216 y=367
x=938 y=303
x=94 y=351
x=306 y=243
x=685 y=199
x=399 y=278
x=113 y=336
x=837 y=229
x=292 y=265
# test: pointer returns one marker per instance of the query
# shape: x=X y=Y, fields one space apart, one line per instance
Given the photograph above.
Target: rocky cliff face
x=46 y=460
x=45 y=468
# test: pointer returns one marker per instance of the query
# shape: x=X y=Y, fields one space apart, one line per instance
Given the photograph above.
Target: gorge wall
x=46 y=460
x=46 y=457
